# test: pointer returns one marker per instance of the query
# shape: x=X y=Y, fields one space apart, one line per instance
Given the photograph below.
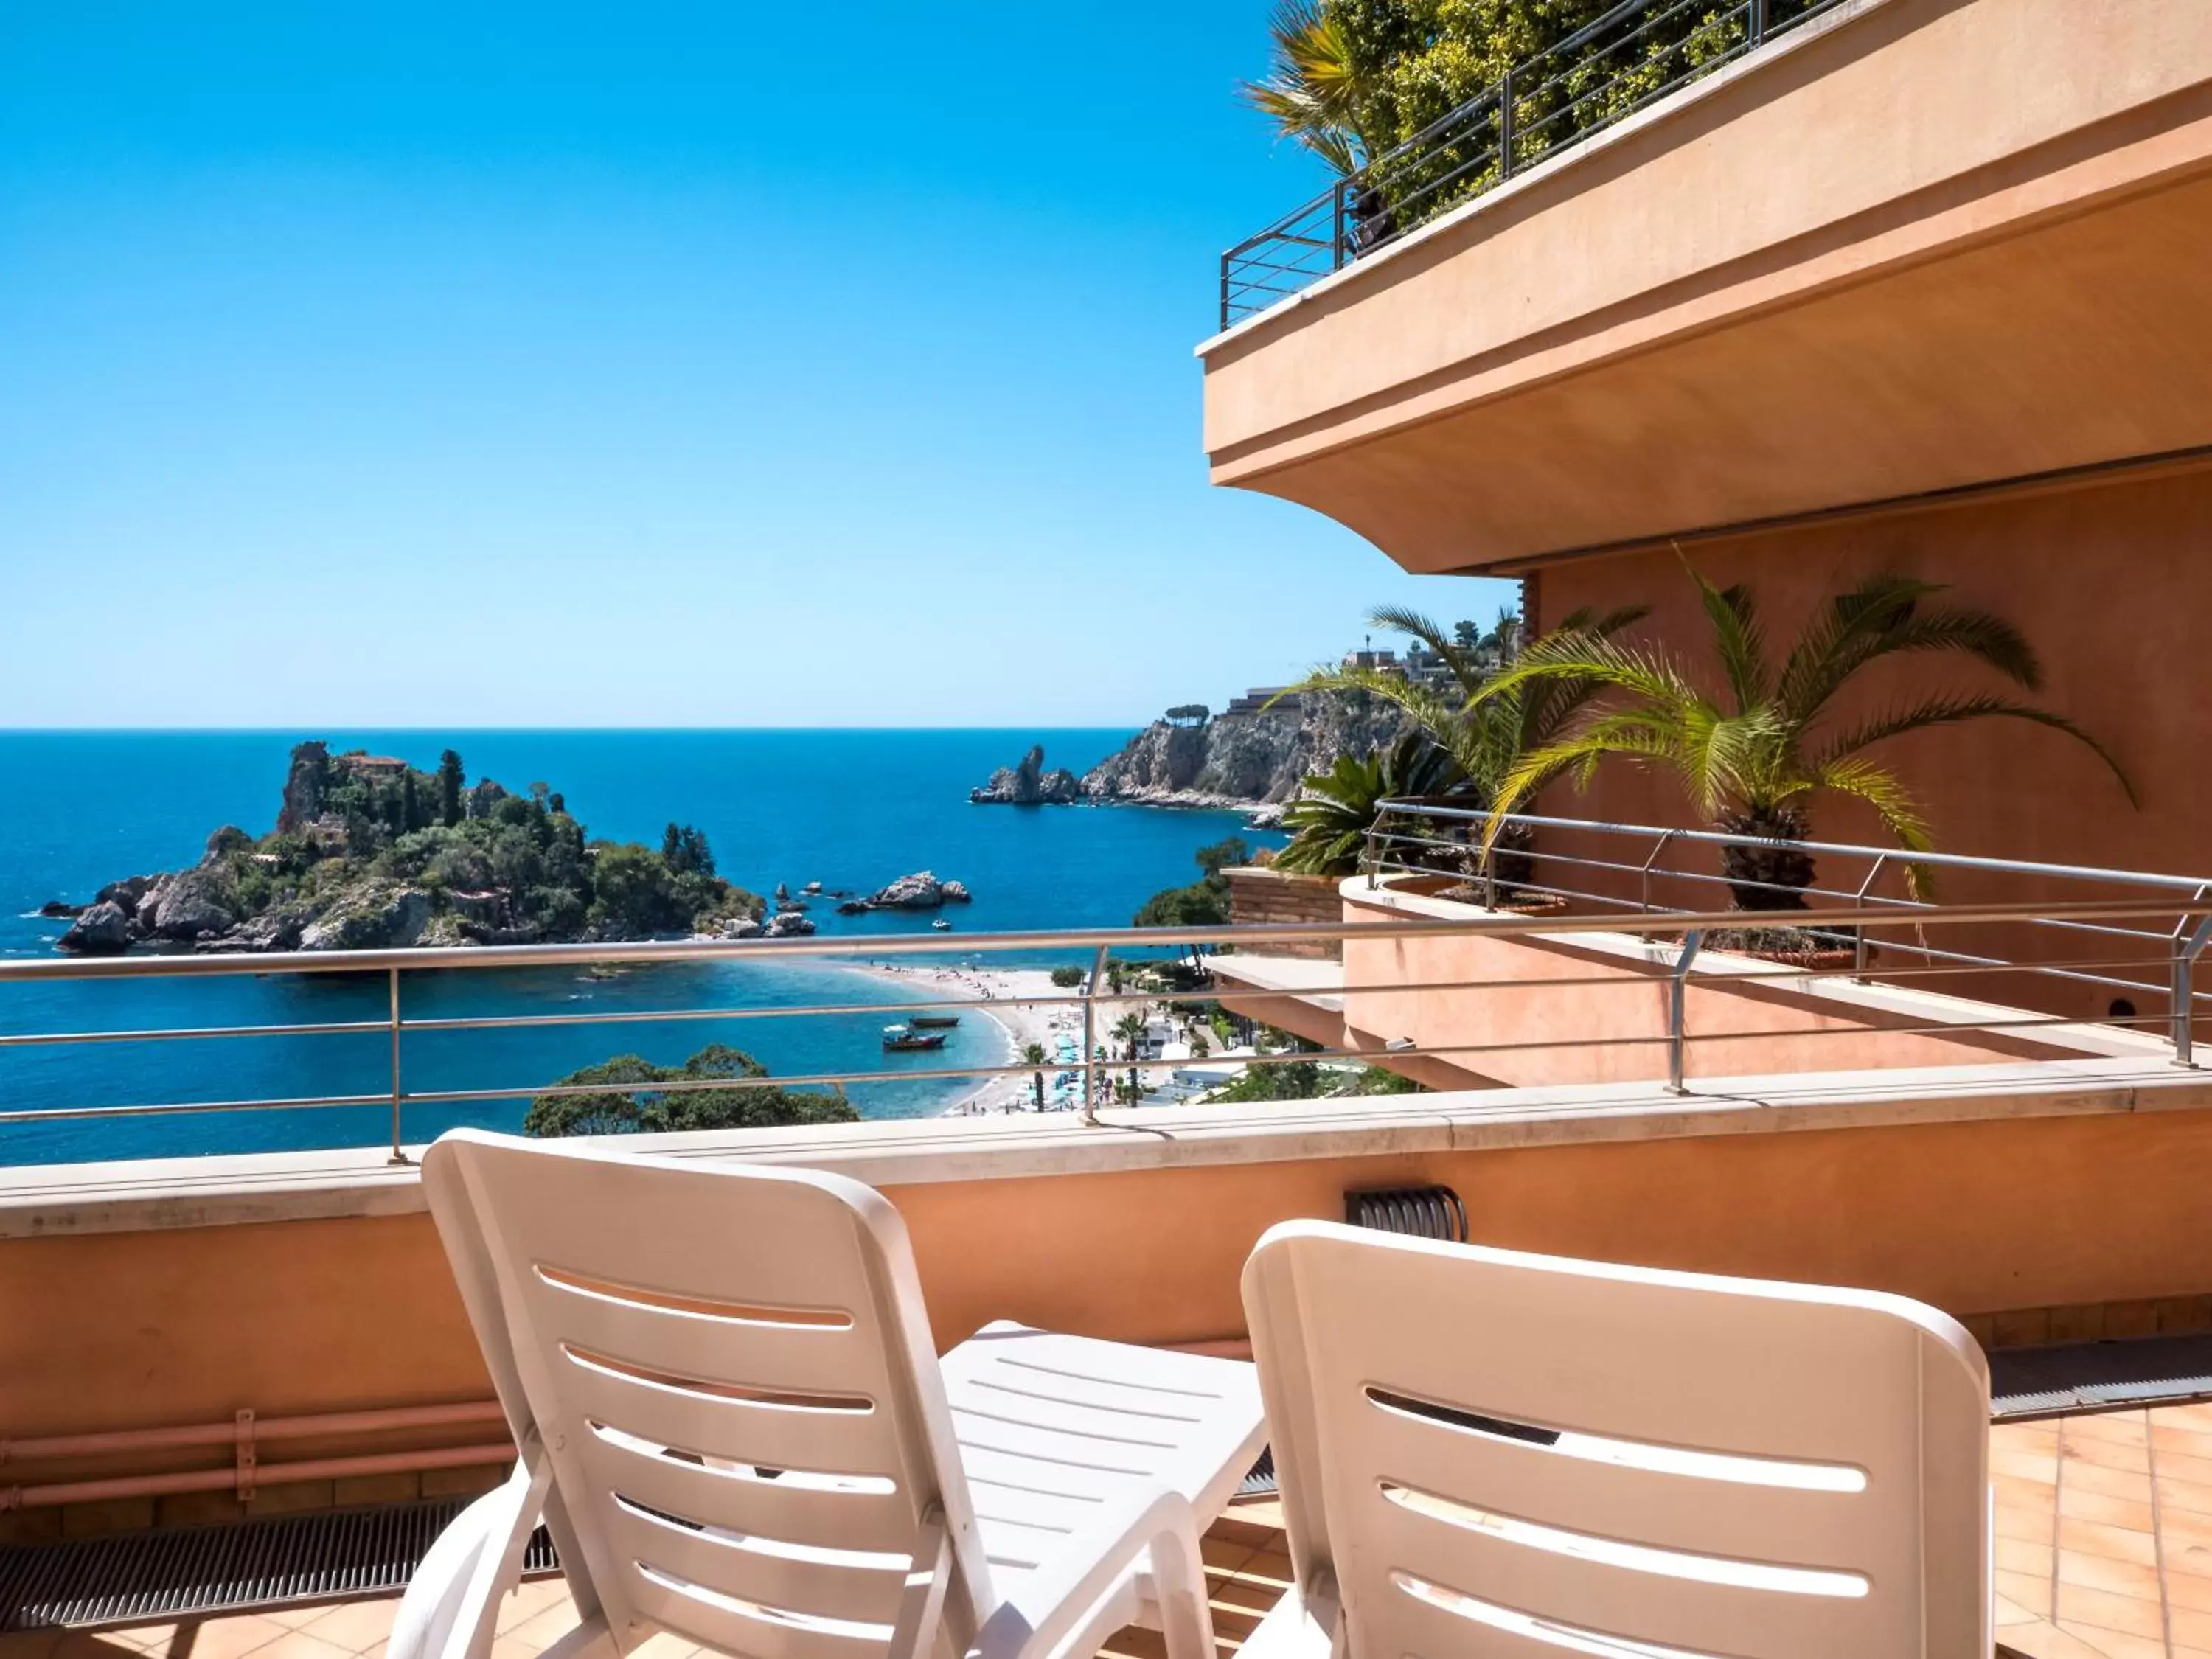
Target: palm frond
x=1951 y=710
x=1415 y=625
x=1737 y=638
x=1900 y=814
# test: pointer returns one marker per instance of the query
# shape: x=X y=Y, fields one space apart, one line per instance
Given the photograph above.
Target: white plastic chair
x=731 y=1417
x=1484 y=1453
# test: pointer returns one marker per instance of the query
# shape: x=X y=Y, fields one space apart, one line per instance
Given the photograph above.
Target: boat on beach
x=901 y=1037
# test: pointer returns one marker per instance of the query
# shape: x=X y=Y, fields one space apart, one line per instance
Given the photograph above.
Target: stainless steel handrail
x=1692 y=928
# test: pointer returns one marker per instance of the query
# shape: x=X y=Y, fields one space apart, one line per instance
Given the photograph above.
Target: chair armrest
x=1046 y=1611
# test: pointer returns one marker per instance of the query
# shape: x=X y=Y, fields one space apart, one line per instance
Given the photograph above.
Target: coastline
x=994 y=991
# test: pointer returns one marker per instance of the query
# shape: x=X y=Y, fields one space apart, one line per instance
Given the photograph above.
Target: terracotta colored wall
x=2110 y=585
x=134 y=1329
x=1258 y=897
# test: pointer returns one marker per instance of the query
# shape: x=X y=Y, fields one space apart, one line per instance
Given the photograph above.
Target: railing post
x=1337 y=236
x=2188 y=945
x=398 y=1155
x=1755 y=20
x=1859 y=937
x=1505 y=126
x=1658 y=850
x=1677 y=1008
x=1090 y=1039
x=1368 y=857
x=1224 y=293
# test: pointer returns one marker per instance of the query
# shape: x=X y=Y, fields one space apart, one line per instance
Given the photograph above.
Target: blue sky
x=658 y=364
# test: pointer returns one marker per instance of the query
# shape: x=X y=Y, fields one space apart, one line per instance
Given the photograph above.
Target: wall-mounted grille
x=188 y=1572
x=1421 y=1212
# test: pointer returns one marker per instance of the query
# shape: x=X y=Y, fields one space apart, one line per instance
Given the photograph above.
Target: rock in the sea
x=191 y=902
x=102 y=931
x=790 y=924
x=742 y=927
x=303 y=787
x=124 y=894
x=55 y=909
x=956 y=892
x=1029 y=785
x=853 y=907
x=376 y=916
x=921 y=890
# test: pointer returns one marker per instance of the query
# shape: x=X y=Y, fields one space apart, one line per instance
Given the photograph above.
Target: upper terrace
x=1819 y=258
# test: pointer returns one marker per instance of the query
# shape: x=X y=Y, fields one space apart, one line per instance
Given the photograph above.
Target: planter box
x=1261 y=896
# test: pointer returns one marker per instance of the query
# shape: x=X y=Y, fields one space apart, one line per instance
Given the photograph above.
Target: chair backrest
x=1488 y=1453
x=732 y=1370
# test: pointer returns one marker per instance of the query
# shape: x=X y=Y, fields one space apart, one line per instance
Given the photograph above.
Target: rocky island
x=1028 y=784
x=1254 y=757
x=370 y=852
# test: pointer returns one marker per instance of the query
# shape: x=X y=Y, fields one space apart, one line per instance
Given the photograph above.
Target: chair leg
x=1179 y=1574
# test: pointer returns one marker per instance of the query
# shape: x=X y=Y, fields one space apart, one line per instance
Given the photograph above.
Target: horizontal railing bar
x=1661 y=873
x=187 y=1108
x=490 y=957
x=343 y=1028
x=1826 y=848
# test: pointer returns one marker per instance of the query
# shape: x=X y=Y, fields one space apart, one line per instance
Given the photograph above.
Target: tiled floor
x=2104 y=1551
x=2104 y=1535
x=1246 y=1571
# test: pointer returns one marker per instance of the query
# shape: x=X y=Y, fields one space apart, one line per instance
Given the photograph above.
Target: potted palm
x=1752 y=758
x=1476 y=737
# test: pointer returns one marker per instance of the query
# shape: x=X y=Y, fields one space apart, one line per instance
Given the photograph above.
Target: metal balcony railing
x=2131 y=922
x=1534 y=863
x=1619 y=63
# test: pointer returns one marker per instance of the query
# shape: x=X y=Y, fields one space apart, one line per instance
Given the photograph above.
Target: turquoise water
x=849 y=809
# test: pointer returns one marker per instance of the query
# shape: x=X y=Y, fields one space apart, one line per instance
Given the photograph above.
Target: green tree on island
x=630 y=1105
x=450 y=779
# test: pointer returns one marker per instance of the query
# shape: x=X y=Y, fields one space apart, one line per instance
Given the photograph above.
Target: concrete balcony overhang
x=1918 y=247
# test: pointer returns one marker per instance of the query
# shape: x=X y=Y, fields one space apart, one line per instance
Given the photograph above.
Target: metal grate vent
x=191 y=1571
x=2087 y=1376
x=1422 y=1211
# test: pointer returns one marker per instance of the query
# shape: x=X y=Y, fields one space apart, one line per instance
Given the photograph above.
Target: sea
x=849 y=809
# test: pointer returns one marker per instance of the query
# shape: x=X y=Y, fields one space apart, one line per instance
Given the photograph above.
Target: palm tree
x=1311 y=92
x=1483 y=737
x=1130 y=1028
x=1328 y=823
x=1034 y=1055
x=1752 y=760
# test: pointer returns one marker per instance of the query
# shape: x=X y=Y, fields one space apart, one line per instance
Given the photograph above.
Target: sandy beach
x=997 y=992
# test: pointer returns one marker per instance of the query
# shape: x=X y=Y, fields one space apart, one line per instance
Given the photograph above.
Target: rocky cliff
x=1241 y=760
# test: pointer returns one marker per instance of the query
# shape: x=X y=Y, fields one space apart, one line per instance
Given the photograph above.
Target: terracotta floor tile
x=2020 y=1555
x=2043 y=1640
x=2189 y=1589
x=2101 y=1572
x=2030 y=1592
x=355 y=1625
x=2028 y=1526
x=2190 y=1625
x=2120 y=1543
x=2079 y=1605
x=302 y=1644
x=232 y=1637
x=1268 y=1567
x=2130 y=1484
x=2132 y=1426
x=2114 y=1643
x=2189 y=1496
x=2009 y=1611
x=2075 y=1504
x=2042 y=1467
x=2011 y=1489
x=540 y=1631
x=2129 y=1457
x=1222 y=1554
x=2190 y=1440
x=526 y=1601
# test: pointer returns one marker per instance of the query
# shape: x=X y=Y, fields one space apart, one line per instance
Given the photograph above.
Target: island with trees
x=369 y=851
